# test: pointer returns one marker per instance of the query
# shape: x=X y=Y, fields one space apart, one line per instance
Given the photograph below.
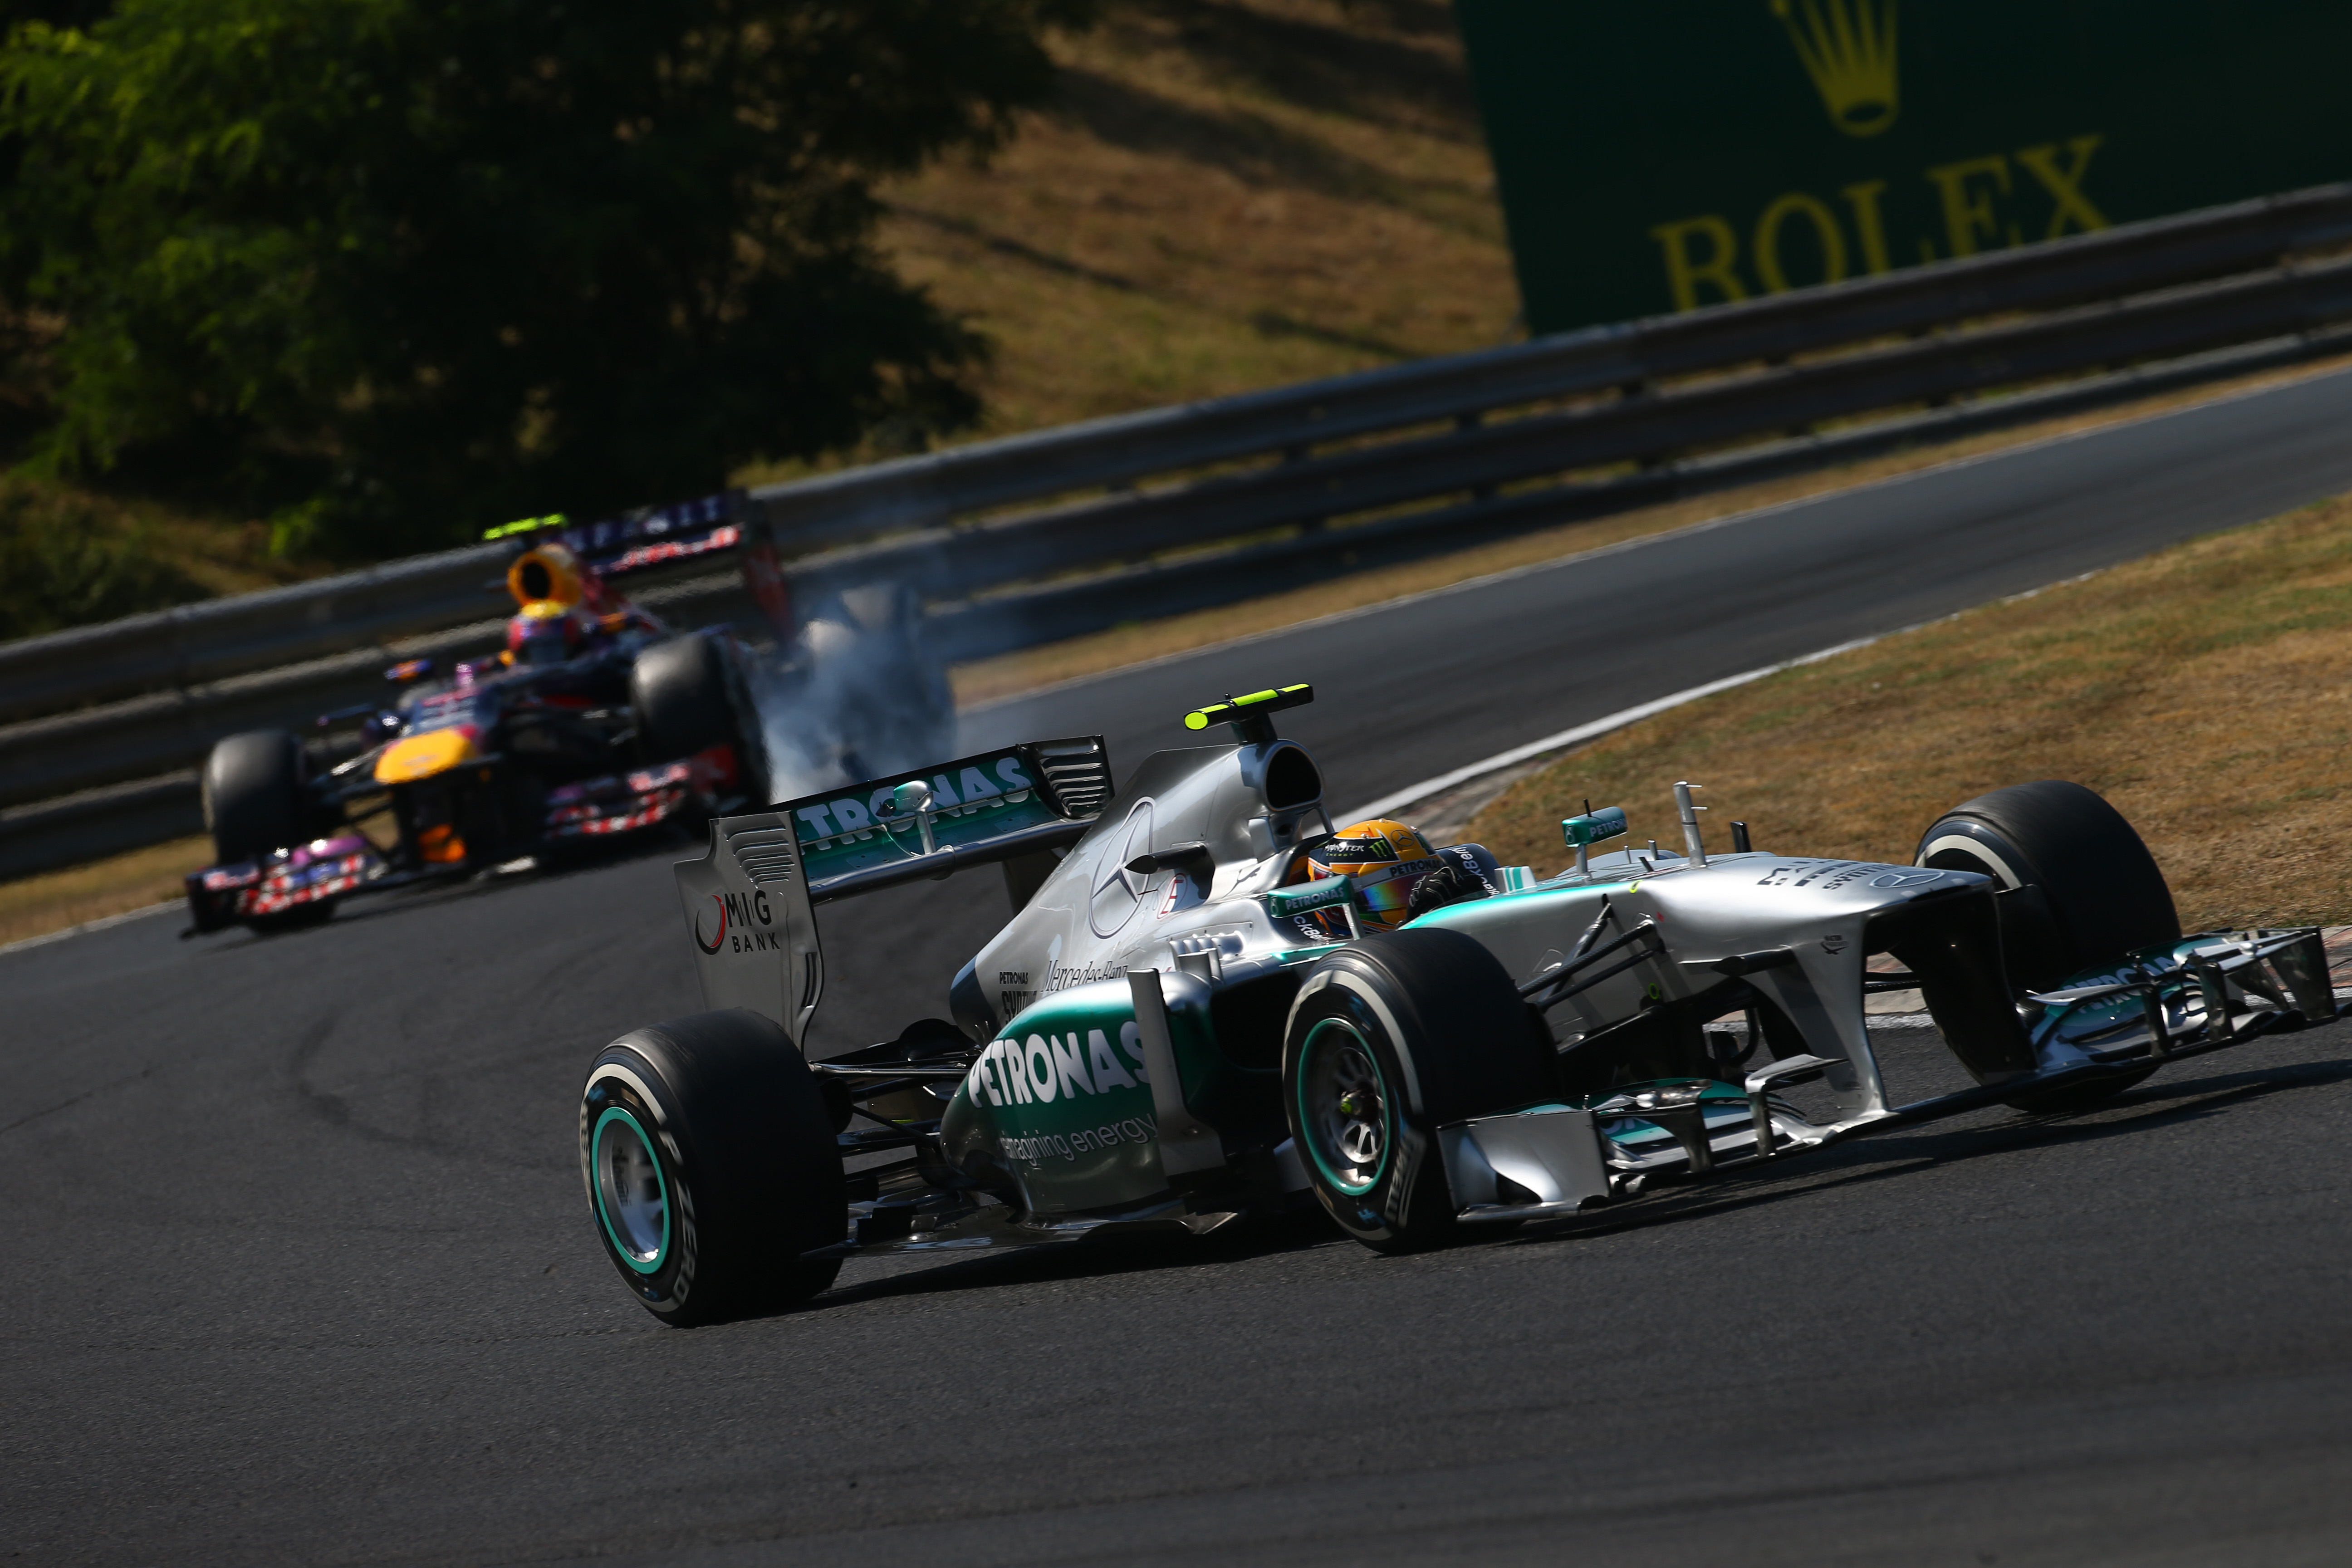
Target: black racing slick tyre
x=2086 y=891
x=1390 y=1039
x=2099 y=894
x=687 y=697
x=710 y=1167
x=254 y=795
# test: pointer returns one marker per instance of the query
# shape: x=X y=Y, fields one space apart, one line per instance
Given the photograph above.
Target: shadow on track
x=1851 y=1166
x=576 y=861
x=1870 y=1161
x=1301 y=1232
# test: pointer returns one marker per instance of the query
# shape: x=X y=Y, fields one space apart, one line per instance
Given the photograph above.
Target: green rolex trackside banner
x=1663 y=156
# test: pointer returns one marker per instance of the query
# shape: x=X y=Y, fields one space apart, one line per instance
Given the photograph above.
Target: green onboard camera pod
x=1583 y=832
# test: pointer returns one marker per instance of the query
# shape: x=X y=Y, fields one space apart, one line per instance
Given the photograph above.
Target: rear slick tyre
x=689 y=696
x=1390 y=1039
x=710 y=1167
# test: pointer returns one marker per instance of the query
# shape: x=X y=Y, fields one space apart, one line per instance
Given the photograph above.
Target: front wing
x=305 y=875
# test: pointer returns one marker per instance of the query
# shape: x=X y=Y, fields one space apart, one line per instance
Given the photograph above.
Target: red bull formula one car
x=595 y=720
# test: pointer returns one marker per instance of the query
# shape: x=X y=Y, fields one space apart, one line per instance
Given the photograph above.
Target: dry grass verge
x=55 y=900
x=1228 y=194
x=2203 y=690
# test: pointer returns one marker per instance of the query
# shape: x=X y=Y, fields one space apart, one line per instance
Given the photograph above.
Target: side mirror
x=1194 y=859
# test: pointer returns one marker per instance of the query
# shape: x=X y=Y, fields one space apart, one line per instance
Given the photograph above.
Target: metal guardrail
x=194 y=644
x=1042 y=536
x=2111 y=263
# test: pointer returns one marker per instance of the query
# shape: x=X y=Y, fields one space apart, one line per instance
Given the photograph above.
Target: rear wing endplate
x=749 y=899
x=747 y=908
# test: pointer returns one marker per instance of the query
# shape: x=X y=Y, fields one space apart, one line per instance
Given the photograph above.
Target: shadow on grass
x=1042 y=260
x=1350 y=70
x=1249 y=146
x=1275 y=324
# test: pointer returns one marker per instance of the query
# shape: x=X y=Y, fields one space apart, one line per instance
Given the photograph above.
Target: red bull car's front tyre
x=253 y=795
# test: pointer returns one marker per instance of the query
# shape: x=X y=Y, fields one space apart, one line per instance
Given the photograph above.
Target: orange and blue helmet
x=1383 y=860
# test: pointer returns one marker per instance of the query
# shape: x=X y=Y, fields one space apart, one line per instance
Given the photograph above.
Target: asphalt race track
x=299 y=1269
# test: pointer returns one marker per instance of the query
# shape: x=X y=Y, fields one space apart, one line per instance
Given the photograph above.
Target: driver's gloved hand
x=1449 y=884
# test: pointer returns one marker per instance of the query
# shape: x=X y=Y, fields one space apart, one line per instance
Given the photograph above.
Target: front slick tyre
x=710 y=1167
x=2088 y=892
x=1390 y=1039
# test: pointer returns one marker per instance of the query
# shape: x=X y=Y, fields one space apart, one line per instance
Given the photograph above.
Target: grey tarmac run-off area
x=299 y=1269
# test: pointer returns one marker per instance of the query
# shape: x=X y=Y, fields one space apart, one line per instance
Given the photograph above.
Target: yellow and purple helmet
x=544 y=632
x=1383 y=859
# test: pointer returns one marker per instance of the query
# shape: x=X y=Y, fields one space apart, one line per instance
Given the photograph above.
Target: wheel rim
x=1344 y=1108
x=632 y=1193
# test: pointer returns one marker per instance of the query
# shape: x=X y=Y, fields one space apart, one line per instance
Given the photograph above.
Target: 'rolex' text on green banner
x=1664 y=157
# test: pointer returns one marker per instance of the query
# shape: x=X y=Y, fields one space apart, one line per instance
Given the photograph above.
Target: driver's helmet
x=543 y=633
x=1383 y=860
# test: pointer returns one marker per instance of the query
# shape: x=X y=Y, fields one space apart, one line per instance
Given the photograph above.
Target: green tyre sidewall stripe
x=1308 y=1119
x=612 y=1232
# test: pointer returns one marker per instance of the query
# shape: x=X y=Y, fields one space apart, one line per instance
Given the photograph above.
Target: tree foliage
x=68 y=559
x=404 y=267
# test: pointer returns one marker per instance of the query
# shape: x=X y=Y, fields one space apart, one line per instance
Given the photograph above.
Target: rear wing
x=647 y=537
x=974 y=810
x=750 y=897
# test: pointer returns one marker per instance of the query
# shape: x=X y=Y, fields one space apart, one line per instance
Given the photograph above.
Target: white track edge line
x=1599 y=727
x=1640 y=712
x=1640 y=541
x=101 y=923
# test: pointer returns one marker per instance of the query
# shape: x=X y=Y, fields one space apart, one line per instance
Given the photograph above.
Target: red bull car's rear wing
x=647 y=537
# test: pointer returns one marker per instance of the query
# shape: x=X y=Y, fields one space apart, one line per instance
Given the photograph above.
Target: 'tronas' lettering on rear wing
x=974 y=810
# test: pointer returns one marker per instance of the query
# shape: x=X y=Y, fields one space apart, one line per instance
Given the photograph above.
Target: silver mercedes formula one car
x=1184 y=1024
